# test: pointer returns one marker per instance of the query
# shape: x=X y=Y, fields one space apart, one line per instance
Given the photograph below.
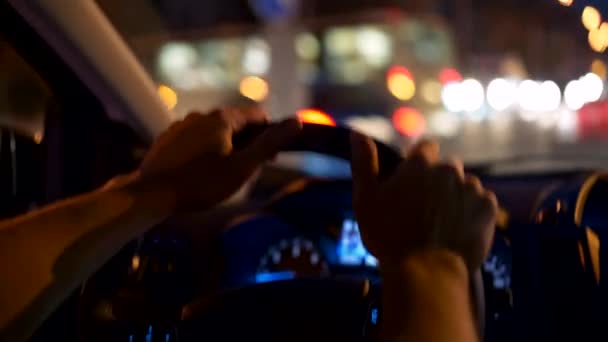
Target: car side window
x=24 y=98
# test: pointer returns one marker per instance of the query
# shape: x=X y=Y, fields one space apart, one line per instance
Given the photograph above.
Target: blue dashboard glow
x=374 y=316
x=265 y=277
x=350 y=247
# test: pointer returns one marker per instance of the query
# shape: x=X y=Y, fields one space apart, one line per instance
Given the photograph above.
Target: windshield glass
x=491 y=80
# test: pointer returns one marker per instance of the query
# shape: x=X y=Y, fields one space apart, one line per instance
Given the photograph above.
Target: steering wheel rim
x=335 y=141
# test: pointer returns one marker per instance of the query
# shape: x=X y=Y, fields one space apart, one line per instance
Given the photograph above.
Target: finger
x=457 y=165
x=255 y=114
x=234 y=118
x=451 y=171
x=474 y=184
x=269 y=143
x=490 y=202
x=425 y=149
x=194 y=116
x=364 y=164
x=238 y=118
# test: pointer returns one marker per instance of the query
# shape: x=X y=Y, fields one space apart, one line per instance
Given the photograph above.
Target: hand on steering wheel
x=191 y=156
x=444 y=210
x=423 y=205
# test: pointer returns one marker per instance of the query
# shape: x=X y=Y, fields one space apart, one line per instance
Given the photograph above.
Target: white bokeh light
x=340 y=41
x=176 y=58
x=376 y=126
x=375 y=45
x=528 y=93
x=501 y=94
x=550 y=96
x=592 y=86
x=574 y=95
x=472 y=95
x=567 y=123
x=445 y=124
x=451 y=97
x=307 y=46
x=256 y=59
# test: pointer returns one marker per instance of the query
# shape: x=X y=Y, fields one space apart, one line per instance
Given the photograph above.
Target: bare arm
x=425 y=298
x=46 y=254
x=427 y=224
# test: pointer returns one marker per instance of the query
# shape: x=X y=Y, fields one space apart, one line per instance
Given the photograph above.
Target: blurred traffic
x=489 y=79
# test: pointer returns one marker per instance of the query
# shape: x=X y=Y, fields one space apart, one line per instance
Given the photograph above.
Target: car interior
x=285 y=261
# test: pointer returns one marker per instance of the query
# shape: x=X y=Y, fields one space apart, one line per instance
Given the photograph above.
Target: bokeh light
x=591 y=18
x=256 y=58
x=473 y=94
x=598 y=67
x=375 y=45
x=445 y=124
x=307 y=46
x=135 y=261
x=451 y=97
x=449 y=75
x=550 y=96
x=376 y=126
x=315 y=116
x=340 y=41
x=598 y=38
x=409 y=122
x=168 y=96
x=574 y=96
x=254 y=88
x=400 y=83
x=565 y=2
x=431 y=91
x=176 y=57
x=527 y=95
x=501 y=94
x=592 y=86
x=38 y=137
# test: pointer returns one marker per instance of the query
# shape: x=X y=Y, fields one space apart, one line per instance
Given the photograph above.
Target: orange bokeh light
x=408 y=121
x=399 y=70
x=448 y=75
x=400 y=82
x=315 y=116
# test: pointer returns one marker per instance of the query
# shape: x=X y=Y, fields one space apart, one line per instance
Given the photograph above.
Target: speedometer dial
x=298 y=256
x=498 y=264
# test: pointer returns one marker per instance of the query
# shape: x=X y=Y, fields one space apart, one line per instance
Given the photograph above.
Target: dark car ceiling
x=136 y=17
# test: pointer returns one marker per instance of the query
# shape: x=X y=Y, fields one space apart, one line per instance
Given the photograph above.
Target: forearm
x=426 y=298
x=45 y=255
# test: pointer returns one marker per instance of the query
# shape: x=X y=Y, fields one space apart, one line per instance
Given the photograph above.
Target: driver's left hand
x=194 y=159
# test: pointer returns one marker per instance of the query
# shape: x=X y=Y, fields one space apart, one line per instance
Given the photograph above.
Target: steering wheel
x=303 y=309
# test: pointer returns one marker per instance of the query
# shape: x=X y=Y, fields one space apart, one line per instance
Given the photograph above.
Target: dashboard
x=541 y=278
x=313 y=233
x=538 y=257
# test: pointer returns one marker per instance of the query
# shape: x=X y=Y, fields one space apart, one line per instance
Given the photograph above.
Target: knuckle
x=417 y=161
x=193 y=116
x=448 y=172
x=473 y=184
x=489 y=203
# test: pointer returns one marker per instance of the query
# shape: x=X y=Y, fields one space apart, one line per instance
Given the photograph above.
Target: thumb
x=364 y=164
x=269 y=143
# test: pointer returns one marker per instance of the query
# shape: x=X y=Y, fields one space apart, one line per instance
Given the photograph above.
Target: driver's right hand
x=425 y=205
x=194 y=158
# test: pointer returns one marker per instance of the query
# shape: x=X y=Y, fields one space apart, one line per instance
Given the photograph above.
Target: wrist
x=163 y=196
x=425 y=265
x=427 y=286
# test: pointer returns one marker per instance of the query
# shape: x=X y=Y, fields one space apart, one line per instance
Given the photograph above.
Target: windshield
x=491 y=80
